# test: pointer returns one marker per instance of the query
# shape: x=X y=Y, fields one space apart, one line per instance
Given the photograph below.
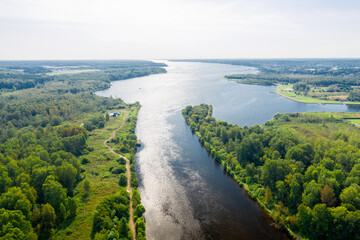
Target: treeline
x=23 y=75
x=111 y=217
x=14 y=81
x=78 y=64
x=269 y=79
x=119 y=74
x=304 y=168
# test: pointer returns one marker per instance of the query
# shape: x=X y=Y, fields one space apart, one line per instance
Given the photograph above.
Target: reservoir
x=187 y=195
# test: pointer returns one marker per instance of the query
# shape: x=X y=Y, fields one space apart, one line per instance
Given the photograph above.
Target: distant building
x=114 y=114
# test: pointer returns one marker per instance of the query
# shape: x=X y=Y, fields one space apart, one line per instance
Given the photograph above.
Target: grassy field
x=353 y=120
x=281 y=90
x=102 y=181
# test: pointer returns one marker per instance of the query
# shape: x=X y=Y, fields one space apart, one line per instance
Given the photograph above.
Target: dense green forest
x=303 y=168
x=46 y=124
x=29 y=74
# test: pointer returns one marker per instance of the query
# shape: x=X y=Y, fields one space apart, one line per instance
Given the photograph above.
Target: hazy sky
x=160 y=29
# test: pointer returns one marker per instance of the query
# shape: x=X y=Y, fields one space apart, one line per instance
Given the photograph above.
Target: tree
x=281 y=191
x=123 y=227
x=302 y=152
x=54 y=193
x=311 y=194
x=321 y=222
x=354 y=95
x=303 y=219
x=14 y=199
x=87 y=186
x=301 y=87
x=5 y=180
x=273 y=171
x=268 y=194
x=123 y=180
x=351 y=195
x=38 y=178
x=48 y=218
x=140 y=227
x=295 y=194
x=139 y=211
x=72 y=207
x=250 y=150
x=66 y=174
x=345 y=223
x=62 y=213
x=134 y=181
x=74 y=144
x=327 y=196
x=15 y=226
x=224 y=136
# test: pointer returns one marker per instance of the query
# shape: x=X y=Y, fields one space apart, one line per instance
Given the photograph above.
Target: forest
x=47 y=144
x=29 y=74
x=303 y=168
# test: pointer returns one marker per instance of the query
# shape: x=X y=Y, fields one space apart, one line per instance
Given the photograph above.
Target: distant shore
x=298 y=98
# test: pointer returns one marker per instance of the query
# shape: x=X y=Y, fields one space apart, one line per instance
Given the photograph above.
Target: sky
x=176 y=29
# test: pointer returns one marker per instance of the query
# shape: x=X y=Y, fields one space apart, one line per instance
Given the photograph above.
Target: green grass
x=353 y=120
x=102 y=181
x=299 y=98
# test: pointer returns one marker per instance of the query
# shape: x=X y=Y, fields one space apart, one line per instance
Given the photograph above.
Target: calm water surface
x=185 y=193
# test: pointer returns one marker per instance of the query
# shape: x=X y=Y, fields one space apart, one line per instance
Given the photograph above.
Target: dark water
x=185 y=193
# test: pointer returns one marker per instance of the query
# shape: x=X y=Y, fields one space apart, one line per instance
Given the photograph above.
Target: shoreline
x=315 y=101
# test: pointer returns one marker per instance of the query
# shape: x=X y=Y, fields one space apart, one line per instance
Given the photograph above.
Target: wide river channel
x=185 y=193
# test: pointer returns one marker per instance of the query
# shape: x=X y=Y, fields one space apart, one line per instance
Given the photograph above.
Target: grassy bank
x=287 y=92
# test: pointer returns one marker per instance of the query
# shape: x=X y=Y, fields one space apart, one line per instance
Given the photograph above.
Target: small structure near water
x=287 y=90
x=138 y=143
x=113 y=114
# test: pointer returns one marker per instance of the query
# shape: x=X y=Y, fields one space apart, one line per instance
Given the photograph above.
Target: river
x=186 y=194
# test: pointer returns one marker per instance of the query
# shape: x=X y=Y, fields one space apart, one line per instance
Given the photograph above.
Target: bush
x=119 y=169
x=121 y=161
x=85 y=161
x=122 y=180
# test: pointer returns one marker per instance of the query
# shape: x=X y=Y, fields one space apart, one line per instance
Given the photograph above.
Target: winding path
x=128 y=174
